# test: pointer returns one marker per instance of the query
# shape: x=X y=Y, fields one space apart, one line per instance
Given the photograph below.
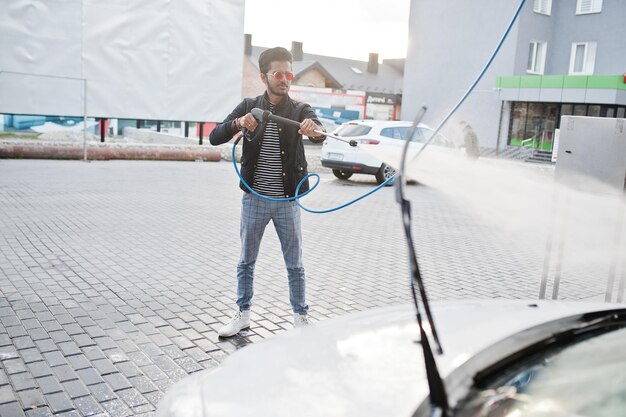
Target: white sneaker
x=300 y=320
x=240 y=321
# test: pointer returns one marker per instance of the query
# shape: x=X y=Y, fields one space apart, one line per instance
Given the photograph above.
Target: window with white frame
x=588 y=6
x=536 y=57
x=543 y=6
x=583 y=58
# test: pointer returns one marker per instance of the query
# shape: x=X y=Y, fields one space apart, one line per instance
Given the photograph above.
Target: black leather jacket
x=291 y=146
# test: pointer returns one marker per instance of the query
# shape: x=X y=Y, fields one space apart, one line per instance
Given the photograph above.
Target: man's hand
x=248 y=122
x=308 y=128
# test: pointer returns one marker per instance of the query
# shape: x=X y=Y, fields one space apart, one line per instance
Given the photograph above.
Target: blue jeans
x=256 y=213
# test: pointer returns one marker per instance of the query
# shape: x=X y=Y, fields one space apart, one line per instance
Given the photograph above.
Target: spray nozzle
x=260 y=115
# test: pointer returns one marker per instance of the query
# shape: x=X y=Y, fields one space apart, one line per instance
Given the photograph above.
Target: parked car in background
x=346 y=160
x=501 y=358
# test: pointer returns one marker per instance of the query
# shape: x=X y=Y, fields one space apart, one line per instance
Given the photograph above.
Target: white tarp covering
x=142 y=59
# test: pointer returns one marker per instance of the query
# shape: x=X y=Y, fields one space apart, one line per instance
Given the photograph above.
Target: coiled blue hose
x=298 y=196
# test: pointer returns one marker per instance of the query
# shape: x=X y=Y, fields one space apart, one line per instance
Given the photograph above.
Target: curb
x=98 y=151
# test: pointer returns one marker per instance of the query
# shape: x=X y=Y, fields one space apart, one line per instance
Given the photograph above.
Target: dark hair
x=272 y=55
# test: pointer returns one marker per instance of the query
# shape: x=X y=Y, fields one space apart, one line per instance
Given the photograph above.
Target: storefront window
x=580 y=110
x=567 y=109
x=380 y=106
x=533 y=124
x=379 y=111
x=518 y=123
x=607 y=111
x=593 y=110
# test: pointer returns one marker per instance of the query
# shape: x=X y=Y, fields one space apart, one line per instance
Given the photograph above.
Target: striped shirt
x=268 y=177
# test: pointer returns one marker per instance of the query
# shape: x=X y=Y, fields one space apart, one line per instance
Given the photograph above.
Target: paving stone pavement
x=115 y=276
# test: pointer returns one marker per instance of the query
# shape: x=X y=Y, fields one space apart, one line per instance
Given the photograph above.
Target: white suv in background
x=346 y=160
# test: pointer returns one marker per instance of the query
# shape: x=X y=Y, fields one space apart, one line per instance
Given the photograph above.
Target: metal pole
x=103 y=130
x=620 y=290
x=547 y=255
x=620 y=293
x=84 y=119
x=561 y=236
x=615 y=259
x=499 y=128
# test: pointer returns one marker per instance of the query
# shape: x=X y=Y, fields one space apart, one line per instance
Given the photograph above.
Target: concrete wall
x=450 y=42
x=583 y=164
x=564 y=26
x=607 y=28
x=534 y=27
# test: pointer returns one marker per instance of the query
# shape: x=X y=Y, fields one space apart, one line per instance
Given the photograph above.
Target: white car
x=501 y=358
x=346 y=160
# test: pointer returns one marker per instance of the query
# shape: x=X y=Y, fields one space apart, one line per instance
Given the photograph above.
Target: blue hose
x=298 y=196
x=473 y=85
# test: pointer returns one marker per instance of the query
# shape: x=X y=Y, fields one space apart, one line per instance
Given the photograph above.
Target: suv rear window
x=353 y=130
x=395 y=132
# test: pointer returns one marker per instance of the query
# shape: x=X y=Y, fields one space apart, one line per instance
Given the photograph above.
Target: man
x=272 y=163
x=470 y=140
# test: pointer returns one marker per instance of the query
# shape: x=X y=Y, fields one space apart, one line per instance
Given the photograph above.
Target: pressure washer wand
x=264 y=115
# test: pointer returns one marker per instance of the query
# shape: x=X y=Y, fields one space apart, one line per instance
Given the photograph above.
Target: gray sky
x=339 y=28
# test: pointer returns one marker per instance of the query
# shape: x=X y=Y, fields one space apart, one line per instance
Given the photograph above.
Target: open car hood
x=362 y=364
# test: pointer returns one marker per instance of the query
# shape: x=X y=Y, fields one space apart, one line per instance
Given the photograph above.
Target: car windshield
x=349 y=130
x=585 y=379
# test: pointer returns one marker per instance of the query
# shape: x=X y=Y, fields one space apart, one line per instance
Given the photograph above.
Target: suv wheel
x=384 y=173
x=341 y=174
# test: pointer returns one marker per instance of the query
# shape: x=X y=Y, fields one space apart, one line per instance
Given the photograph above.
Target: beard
x=277 y=90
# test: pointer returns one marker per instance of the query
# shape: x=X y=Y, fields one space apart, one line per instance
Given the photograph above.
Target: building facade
x=562 y=57
x=339 y=89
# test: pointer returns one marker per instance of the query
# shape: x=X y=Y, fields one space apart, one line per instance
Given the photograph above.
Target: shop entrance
x=533 y=124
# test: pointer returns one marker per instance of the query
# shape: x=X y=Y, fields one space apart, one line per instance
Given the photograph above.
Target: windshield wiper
x=438 y=395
